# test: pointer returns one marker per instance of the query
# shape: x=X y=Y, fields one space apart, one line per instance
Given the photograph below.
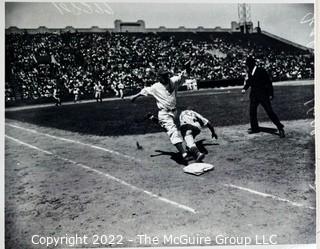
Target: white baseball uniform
x=192 y=118
x=97 y=91
x=166 y=102
x=191 y=121
x=121 y=87
x=189 y=84
x=76 y=91
x=194 y=84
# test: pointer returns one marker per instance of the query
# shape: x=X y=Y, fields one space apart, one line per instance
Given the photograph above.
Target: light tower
x=244 y=14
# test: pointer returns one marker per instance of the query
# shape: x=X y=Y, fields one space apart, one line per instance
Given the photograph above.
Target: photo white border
x=2 y=119
x=317 y=113
x=173 y=1
x=317 y=110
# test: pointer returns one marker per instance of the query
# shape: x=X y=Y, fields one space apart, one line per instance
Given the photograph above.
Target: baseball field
x=101 y=170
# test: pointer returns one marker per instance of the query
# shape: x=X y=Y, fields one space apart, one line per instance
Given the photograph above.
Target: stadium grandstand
x=40 y=60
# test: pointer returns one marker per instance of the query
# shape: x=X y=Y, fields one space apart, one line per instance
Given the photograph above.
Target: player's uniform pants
x=189 y=132
x=167 y=120
x=121 y=93
x=57 y=100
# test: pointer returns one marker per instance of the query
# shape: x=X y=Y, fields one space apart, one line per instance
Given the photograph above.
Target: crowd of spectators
x=36 y=64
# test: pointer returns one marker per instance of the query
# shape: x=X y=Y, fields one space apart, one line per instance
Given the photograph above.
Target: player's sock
x=194 y=151
x=198 y=156
x=180 y=148
x=189 y=140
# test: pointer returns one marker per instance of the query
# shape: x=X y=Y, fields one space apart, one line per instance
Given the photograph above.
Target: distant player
x=98 y=88
x=194 y=84
x=57 y=96
x=76 y=93
x=121 y=88
x=165 y=93
x=191 y=123
x=114 y=88
x=188 y=84
x=191 y=84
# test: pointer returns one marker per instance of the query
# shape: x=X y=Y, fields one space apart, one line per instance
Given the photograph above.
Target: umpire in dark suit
x=261 y=93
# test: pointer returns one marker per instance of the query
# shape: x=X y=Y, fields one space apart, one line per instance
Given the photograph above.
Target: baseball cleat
x=200 y=157
x=185 y=159
x=253 y=131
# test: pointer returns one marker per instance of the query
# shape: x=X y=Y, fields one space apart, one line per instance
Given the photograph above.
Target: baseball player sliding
x=165 y=93
x=191 y=123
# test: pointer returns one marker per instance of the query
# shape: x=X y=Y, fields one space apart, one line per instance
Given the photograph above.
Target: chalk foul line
x=150 y=194
x=265 y=195
x=274 y=197
x=76 y=142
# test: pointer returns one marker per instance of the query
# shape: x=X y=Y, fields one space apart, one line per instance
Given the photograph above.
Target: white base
x=198 y=168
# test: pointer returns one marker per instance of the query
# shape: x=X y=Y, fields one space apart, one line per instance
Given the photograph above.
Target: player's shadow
x=176 y=156
x=269 y=130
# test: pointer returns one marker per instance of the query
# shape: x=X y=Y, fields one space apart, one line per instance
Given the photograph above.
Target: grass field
x=77 y=170
x=121 y=117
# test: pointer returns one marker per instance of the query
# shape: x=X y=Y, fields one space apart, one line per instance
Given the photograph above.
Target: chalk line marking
x=137 y=160
x=176 y=204
x=76 y=142
x=274 y=197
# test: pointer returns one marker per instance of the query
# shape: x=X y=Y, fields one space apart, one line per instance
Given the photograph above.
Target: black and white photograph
x=159 y=124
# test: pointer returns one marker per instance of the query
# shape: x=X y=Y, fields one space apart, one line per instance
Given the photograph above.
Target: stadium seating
x=81 y=59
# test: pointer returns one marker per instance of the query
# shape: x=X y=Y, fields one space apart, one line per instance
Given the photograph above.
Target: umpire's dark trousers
x=266 y=104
